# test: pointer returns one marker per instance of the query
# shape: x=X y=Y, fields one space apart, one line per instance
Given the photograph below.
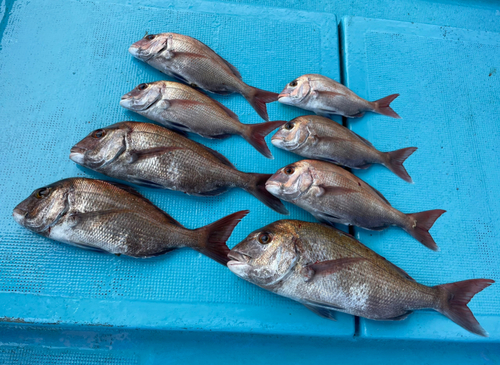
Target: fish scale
x=282 y=256
x=150 y=155
x=114 y=218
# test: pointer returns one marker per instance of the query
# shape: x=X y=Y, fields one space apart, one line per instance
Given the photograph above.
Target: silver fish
x=328 y=270
x=111 y=217
x=321 y=138
x=325 y=96
x=334 y=195
x=185 y=109
x=149 y=155
x=196 y=64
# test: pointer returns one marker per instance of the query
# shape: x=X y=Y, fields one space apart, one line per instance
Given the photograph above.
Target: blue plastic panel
x=62 y=78
x=449 y=93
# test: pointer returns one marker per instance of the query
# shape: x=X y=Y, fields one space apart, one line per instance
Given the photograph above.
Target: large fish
x=320 y=138
x=325 y=96
x=327 y=270
x=106 y=216
x=196 y=64
x=183 y=108
x=149 y=155
x=334 y=195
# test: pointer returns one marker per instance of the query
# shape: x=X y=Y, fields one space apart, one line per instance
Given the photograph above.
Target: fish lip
x=273 y=187
x=238 y=257
x=133 y=50
x=19 y=214
x=77 y=154
x=281 y=95
x=77 y=149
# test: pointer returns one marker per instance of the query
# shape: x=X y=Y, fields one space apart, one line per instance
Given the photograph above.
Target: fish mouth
x=277 y=141
x=238 y=257
x=134 y=50
x=19 y=214
x=273 y=187
x=77 y=154
x=282 y=95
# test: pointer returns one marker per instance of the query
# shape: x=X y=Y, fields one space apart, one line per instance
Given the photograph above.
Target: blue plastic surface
x=71 y=73
x=449 y=88
x=64 y=68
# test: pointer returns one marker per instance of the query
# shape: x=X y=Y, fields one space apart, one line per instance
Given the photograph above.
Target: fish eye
x=142 y=86
x=99 y=133
x=289 y=126
x=150 y=37
x=42 y=193
x=289 y=170
x=293 y=83
x=265 y=238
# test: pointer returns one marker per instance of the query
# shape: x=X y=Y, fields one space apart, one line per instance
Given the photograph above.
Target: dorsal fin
x=379 y=194
x=134 y=192
x=220 y=157
x=399 y=270
x=227 y=110
x=233 y=69
x=367 y=142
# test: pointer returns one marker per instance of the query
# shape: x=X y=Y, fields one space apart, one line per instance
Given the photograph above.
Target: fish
x=329 y=271
x=197 y=65
x=182 y=108
x=153 y=156
x=320 y=138
x=334 y=195
x=111 y=217
x=325 y=96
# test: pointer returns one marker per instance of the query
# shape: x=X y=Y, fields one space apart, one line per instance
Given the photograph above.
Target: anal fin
x=324 y=311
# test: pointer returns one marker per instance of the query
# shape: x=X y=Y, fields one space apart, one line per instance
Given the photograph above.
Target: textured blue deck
x=449 y=87
x=63 y=70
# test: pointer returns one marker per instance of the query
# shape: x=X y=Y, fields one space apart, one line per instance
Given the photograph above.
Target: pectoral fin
x=329 y=267
x=135 y=156
x=332 y=190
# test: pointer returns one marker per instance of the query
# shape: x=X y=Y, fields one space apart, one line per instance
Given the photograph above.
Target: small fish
x=182 y=108
x=320 y=138
x=325 y=96
x=149 y=155
x=111 y=217
x=196 y=64
x=334 y=195
x=328 y=270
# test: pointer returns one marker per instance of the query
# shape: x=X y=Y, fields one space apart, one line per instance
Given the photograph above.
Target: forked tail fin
x=382 y=106
x=258 y=99
x=214 y=236
x=456 y=296
x=257 y=187
x=395 y=162
x=423 y=221
x=255 y=134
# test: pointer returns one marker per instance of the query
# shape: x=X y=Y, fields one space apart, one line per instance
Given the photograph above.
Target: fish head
x=295 y=91
x=44 y=207
x=291 y=135
x=101 y=147
x=291 y=181
x=150 y=46
x=142 y=97
x=266 y=256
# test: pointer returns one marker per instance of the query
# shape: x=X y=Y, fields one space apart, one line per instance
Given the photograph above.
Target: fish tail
x=395 y=161
x=382 y=106
x=255 y=134
x=257 y=187
x=454 y=300
x=214 y=236
x=258 y=99
x=421 y=223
